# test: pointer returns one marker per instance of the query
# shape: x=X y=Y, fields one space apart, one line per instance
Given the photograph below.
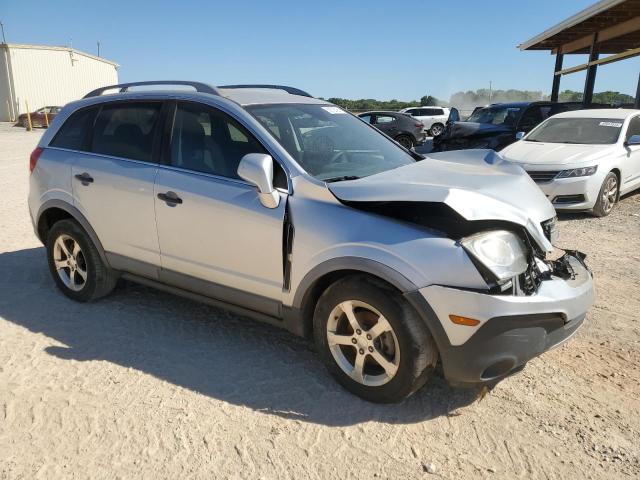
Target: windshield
x=329 y=143
x=495 y=115
x=592 y=131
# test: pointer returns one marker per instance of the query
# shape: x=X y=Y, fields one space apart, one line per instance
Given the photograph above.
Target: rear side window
x=384 y=119
x=73 y=133
x=126 y=130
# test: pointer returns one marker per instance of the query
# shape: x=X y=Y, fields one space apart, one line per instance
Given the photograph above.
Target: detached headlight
x=502 y=252
x=578 y=172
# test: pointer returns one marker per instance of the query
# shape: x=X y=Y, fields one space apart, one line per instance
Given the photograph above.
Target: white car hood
x=477 y=184
x=534 y=153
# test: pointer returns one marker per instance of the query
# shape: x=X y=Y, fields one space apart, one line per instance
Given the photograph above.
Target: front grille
x=543 y=176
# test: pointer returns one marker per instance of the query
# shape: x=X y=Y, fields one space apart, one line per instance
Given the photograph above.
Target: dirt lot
x=146 y=385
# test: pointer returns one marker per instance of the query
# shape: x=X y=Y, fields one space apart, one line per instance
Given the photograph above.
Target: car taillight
x=420 y=125
x=33 y=159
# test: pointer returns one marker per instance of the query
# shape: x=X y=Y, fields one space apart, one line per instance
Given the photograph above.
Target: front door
x=216 y=238
x=631 y=166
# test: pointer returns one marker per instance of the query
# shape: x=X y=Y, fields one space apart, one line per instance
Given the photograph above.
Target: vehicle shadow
x=195 y=346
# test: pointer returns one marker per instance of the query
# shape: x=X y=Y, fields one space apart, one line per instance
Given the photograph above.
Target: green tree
x=428 y=101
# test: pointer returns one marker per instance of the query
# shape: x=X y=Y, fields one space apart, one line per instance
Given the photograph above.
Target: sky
x=384 y=49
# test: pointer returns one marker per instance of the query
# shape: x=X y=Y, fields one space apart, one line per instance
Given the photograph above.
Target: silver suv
x=286 y=208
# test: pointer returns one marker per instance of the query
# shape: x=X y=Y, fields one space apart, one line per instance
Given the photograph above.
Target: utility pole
x=490 y=91
x=4 y=40
x=98 y=47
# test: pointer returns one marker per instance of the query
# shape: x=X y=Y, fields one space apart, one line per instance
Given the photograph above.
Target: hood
x=477 y=184
x=534 y=153
x=470 y=129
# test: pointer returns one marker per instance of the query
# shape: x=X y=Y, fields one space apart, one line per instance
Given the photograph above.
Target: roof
x=259 y=96
x=618 y=113
x=9 y=46
x=616 y=21
x=384 y=112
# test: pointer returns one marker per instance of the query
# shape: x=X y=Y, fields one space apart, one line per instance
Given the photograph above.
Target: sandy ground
x=146 y=385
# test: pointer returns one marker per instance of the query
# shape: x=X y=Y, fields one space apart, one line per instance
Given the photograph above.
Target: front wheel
x=75 y=264
x=372 y=341
x=608 y=195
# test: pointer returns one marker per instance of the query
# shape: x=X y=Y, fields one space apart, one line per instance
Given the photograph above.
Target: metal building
x=607 y=27
x=43 y=75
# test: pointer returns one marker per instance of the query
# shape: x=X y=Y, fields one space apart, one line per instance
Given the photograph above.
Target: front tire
x=372 y=341
x=75 y=264
x=608 y=195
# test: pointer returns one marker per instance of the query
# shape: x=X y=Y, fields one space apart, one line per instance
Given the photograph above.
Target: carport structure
x=609 y=27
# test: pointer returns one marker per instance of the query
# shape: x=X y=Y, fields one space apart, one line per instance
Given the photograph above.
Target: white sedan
x=583 y=160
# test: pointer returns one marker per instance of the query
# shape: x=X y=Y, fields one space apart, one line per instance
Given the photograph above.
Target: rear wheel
x=608 y=195
x=436 y=129
x=75 y=264
x=405 y=141
x=372 y=341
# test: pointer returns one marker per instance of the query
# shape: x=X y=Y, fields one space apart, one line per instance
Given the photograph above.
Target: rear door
x=113 y=181
x=216 y=238
x=386 y=123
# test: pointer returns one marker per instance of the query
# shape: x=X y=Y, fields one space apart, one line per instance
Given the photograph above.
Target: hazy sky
x=359 y=48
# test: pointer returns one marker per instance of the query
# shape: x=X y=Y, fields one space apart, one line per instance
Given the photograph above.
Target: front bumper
x=512 y=329
x=579 y=193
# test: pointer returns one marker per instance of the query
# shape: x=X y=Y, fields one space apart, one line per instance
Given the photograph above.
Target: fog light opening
x=498 y=369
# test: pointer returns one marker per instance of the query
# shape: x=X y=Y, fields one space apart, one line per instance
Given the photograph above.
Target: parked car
x=405 y=130
x=38 y=117
x=583 y=160
x=496 y=125
x=389 y=262
x=434 y=118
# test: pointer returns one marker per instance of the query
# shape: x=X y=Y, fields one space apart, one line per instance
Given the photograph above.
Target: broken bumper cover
x=512 y=329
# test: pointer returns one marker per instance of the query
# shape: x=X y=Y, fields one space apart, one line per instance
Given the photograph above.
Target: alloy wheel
x=70 y=262
x=609 y=194
x=363 y=343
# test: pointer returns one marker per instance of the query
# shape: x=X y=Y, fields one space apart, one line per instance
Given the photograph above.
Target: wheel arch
x=618 y=173
x=299 y=316
x=54 y=210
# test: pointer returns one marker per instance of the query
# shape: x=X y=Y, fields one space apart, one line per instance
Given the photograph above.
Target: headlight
x=502 y=252
x=578 y=172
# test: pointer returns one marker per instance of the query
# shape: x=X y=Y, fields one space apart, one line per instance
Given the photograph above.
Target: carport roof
x=617 y=23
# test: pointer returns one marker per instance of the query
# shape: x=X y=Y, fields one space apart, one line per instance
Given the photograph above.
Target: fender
x=78 y=217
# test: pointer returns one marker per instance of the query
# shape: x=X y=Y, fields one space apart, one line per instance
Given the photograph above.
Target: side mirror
x=257 y=169
x=633 y=140
x=520 y=135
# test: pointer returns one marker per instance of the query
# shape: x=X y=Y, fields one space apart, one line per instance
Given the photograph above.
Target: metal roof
x=9 y=46
x=616 y=21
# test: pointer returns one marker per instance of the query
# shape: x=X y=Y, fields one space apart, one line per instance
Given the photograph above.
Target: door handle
x=171 y=198
x=85 y=178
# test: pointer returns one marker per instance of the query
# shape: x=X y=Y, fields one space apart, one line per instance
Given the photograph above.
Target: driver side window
x=634 y=127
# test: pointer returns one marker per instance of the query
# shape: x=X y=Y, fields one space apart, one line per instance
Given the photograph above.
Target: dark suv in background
x=497 y=125
x=403 y=128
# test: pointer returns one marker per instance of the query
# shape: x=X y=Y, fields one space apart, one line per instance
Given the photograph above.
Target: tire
x=436 y=129
x=406 y=346
x=405 y=141
x=608 y=195
x=79 y=273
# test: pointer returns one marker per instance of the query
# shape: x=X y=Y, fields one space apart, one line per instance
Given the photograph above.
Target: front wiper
x=341 y=178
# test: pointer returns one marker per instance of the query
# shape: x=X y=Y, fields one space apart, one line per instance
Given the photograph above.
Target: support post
x=637 y=103
x=590 y=80
x=555 y=87
x=29 y=124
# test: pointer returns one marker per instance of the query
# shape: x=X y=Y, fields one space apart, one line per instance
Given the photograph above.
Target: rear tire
x=75 y=264
x=405 y=141
x=436 y=129
x=388 y=355
x=608 y=195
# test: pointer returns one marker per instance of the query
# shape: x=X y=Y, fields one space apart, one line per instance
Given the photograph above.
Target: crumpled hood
x=469 y=129
x=477 y=184
x=534 y=153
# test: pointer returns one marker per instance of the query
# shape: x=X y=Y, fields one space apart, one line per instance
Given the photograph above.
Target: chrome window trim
x=102 y=155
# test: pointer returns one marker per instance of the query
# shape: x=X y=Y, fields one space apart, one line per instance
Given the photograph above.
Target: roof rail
x=123 y=87
x=290 y=90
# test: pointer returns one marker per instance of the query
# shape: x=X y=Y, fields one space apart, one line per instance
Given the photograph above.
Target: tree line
x=473 y=98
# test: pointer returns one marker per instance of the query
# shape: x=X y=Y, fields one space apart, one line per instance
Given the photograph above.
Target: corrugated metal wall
x=44 y=77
